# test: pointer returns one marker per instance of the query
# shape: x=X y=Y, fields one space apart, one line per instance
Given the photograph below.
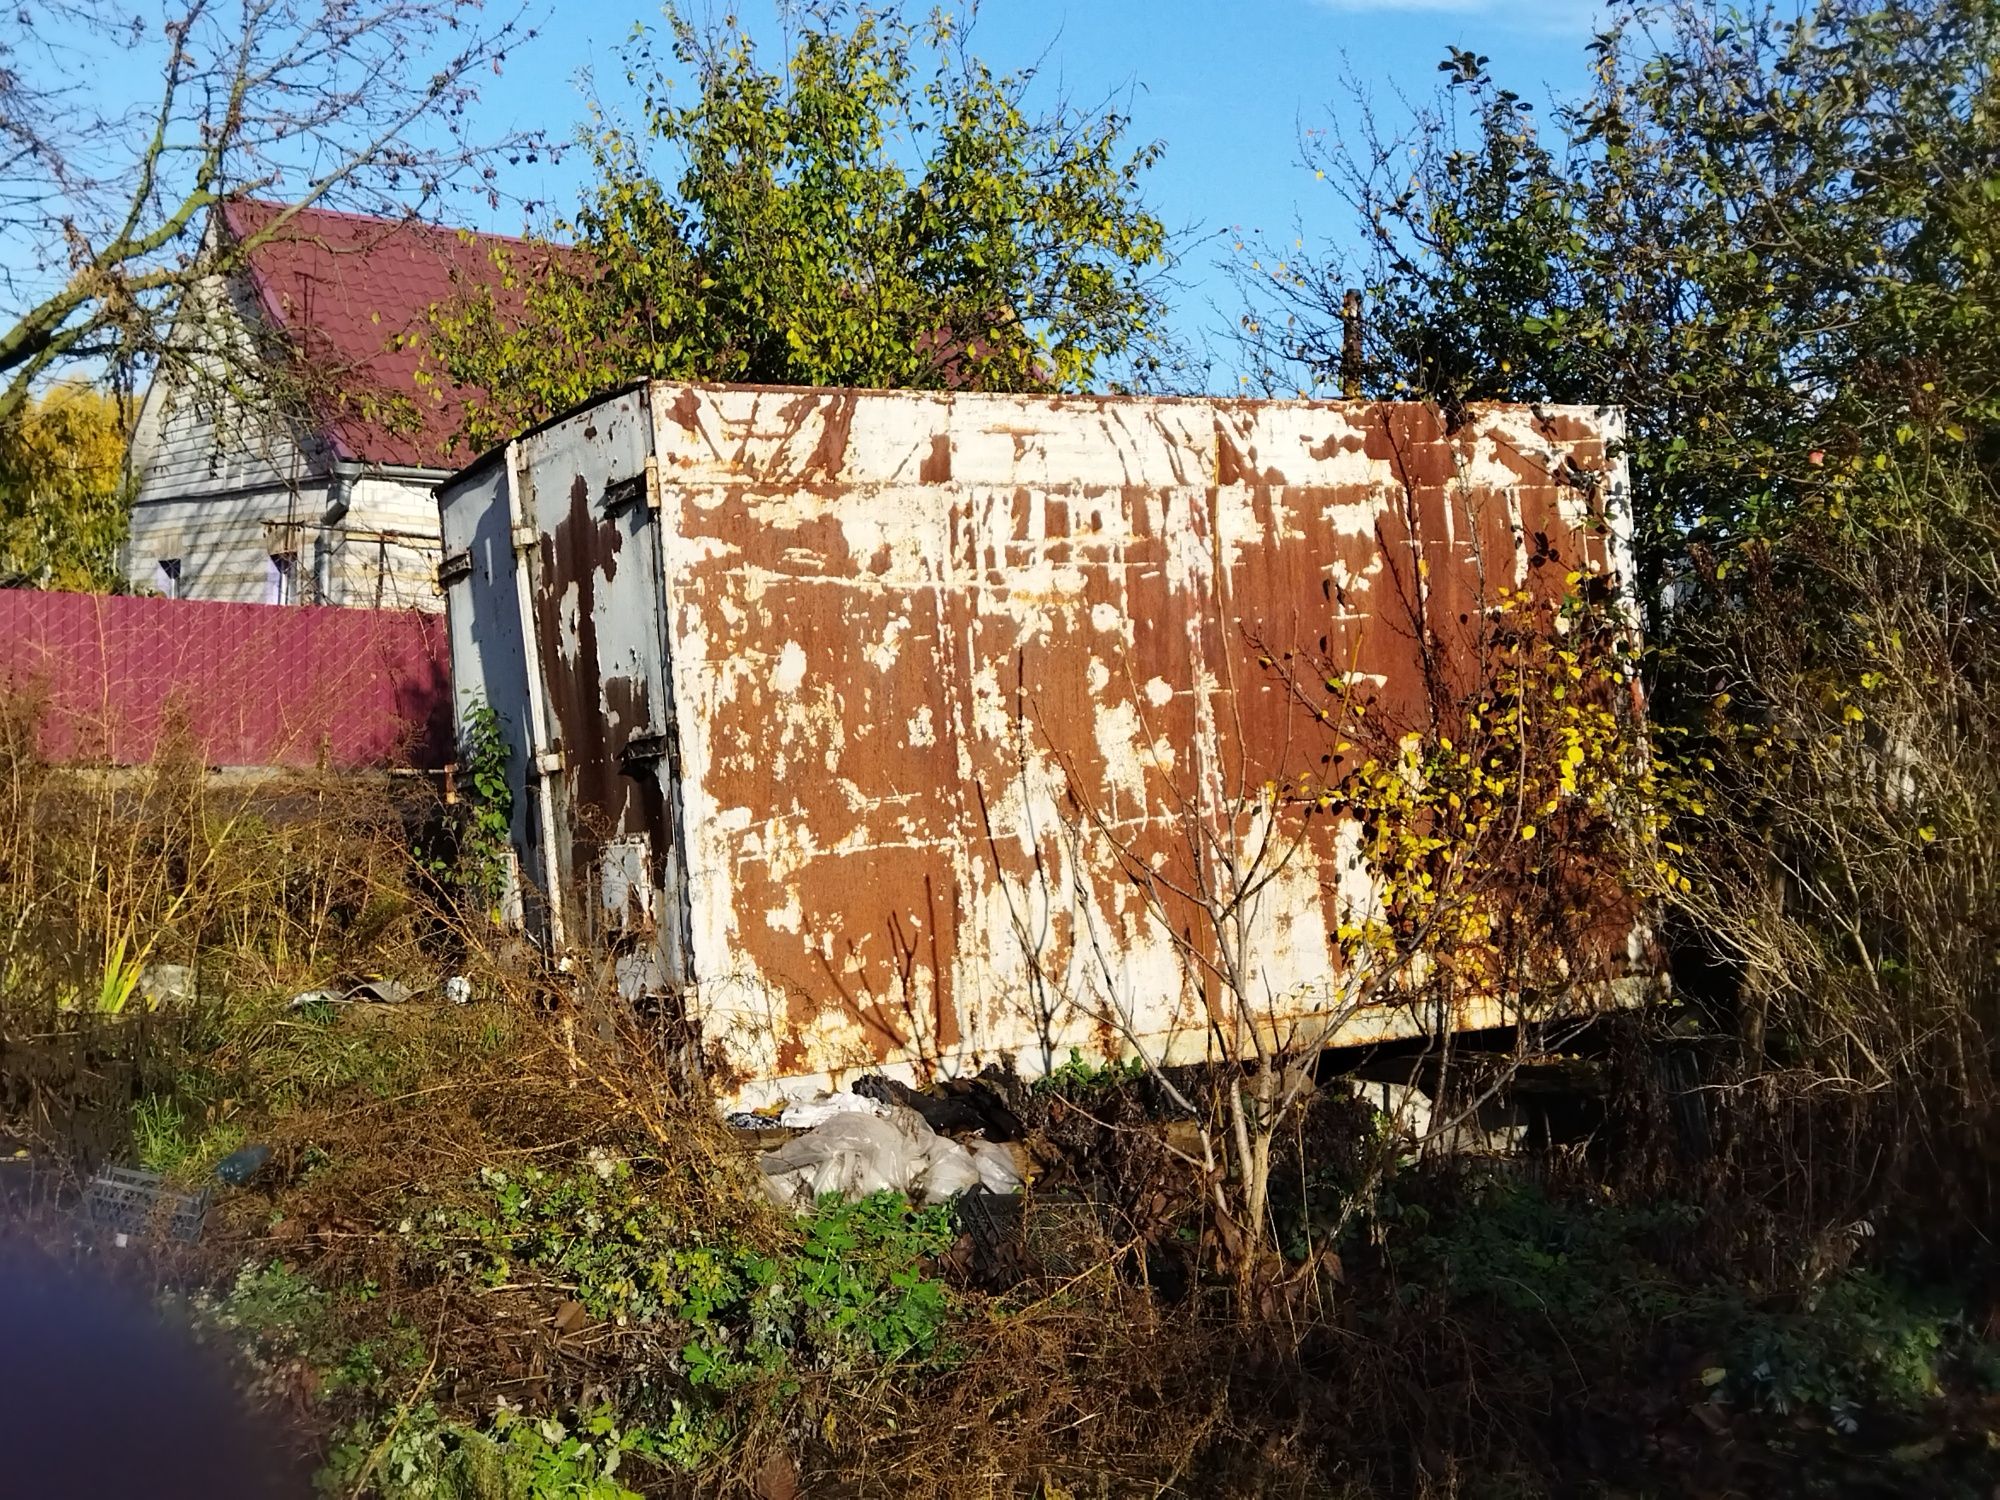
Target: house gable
x=239 y=503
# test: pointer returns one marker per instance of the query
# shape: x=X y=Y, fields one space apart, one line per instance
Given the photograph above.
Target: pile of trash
x=379 y=989
x=885 y=1137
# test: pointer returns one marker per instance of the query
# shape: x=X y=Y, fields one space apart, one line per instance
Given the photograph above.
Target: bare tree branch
x=107 y=210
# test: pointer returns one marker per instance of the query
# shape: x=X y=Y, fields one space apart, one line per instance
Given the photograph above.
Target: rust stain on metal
x=937 y=465
x=685 y=409
x=898 y=638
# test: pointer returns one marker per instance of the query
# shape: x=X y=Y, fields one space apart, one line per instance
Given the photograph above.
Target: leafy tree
x=63 y=491
x=1771 y=237
x=881 y=210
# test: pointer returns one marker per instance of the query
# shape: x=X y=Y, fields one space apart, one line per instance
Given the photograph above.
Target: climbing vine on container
x=487 y=807
x=1497 y=815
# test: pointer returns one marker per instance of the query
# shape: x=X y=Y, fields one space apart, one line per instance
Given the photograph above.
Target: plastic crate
x=128 y=1201
x=1056 y=1234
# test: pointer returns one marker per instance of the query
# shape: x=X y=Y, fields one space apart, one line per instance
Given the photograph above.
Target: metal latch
x=644 y=748
x=620 y=493
x=549 y=763
x=454 y=566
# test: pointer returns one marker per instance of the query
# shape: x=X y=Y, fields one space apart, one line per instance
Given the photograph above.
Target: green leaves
x=878 y=210
x=1762 y=246
x=849 y=1288
x=63 y=491
x=486 y=806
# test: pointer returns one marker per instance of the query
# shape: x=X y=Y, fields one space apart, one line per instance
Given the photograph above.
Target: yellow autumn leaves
x=63 y=490
x=1547 y=749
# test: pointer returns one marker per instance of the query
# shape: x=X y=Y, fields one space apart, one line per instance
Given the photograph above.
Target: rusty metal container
x=807 y=691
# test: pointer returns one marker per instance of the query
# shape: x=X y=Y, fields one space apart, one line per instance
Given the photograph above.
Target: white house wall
x=386 y=550
x=184 y=448
x=213 y=474
x=221 y=541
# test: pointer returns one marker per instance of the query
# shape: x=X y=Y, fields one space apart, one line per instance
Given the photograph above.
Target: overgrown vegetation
x=482 y=863
x=504 y=1248
x=1769 y=239
x=1496 y=794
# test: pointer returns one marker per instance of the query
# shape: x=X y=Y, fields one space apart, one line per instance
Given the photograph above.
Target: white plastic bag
x=857 y=1154
x=949 y=1171
x=807 y=1114
x=853 y=1155
x=997 y=1172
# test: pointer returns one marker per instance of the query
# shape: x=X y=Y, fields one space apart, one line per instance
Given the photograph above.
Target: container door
x=488 y=665
x=601 y=638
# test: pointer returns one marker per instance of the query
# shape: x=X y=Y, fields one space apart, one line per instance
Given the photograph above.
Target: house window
x=167 y=577
x=281 y=584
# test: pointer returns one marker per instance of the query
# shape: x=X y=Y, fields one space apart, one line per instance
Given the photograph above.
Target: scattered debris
x=381 y=990
x=166 y=984
x=858 y=1154
x=1009 y=1238
x=805 y=1116
x=886 y=1136
x=375 y=990
x=999 y=1172
x=239 y=1166
x=953 y=1106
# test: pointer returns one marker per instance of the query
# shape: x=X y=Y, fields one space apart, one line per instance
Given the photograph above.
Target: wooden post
x=1350 y=345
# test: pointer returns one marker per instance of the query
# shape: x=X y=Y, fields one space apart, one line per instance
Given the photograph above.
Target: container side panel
x=962 y=683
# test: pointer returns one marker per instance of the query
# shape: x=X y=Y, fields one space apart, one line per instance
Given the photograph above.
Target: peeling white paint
x=883 y=654
x=1117 y=731
x=881 y=847
x=791 y=668
x=566 y=618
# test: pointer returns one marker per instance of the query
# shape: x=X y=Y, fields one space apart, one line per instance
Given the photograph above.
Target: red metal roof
x=345 y=287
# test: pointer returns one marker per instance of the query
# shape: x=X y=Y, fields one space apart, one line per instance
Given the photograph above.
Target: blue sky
x=1225 y=84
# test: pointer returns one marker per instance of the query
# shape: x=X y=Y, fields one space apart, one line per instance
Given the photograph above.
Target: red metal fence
x=248 y=684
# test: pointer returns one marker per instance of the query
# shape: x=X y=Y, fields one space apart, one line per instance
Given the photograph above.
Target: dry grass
x=1841 y=823
x=1372 y=1375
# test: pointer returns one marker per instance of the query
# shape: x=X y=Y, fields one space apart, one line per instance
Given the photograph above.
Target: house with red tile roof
x=328 y=501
